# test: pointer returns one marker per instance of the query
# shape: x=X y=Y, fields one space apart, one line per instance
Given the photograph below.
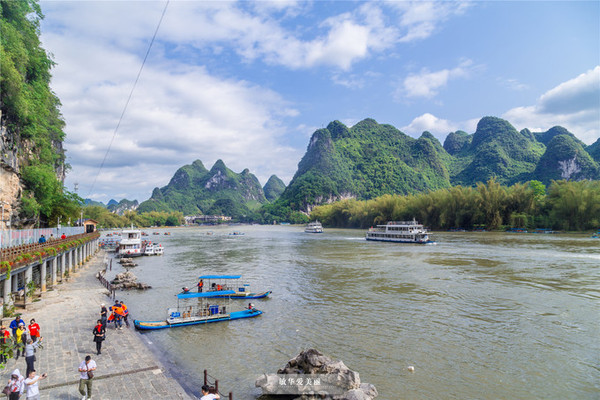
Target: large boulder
x=127 y=280
x=313 y=375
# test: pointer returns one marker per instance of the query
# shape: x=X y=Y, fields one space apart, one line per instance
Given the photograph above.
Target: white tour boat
x=153 y=249
x=314 y=227
x=131 y=243
x=400 y=232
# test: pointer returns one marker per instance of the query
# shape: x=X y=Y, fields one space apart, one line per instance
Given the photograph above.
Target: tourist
x=103 y=315
x=86 y=376
x=63 y=236
x=5 y=344
x=31 y=384
x=99 y=335
x=207 y=395
x=20 y=340
x=30 y=355
x=15 y=324
x=16 y=385
x=34 y=331
x=200 y=286
x=118 y=315
x=125 y=313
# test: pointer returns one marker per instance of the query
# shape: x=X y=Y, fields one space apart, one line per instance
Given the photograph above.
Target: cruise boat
x=131 y=243
x=400 y=232
x=314 y=227
x=205 y=308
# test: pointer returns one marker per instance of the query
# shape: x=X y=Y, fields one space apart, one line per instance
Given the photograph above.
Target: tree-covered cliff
x=196 y=190
x=32 y=159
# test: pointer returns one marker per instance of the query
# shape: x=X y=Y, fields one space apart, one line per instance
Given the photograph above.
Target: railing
x=10 y=254
x=11 y=238
x=105 y=282
x=215 y=383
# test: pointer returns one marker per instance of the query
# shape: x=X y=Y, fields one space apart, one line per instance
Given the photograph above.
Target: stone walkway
x=126 y=368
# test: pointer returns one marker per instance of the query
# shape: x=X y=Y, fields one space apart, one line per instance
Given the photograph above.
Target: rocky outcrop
x=127 y=280
x=313 y=375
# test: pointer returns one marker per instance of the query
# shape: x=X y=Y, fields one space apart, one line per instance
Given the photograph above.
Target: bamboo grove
x=564 y=205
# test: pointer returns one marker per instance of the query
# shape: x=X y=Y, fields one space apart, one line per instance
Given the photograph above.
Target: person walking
x=86 y=377
x=16 y=385
x=103 y=315
x=30 y=354
x=99 y=335
x=34 y=331
x=20 y=340
x=118 y=313
x=125 y=313
x=14 y=324
x=31 y=385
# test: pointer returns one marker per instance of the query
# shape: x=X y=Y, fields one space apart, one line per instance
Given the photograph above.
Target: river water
x=479 y=316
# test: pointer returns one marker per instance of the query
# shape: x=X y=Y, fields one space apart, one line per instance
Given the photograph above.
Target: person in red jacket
x=34 y=330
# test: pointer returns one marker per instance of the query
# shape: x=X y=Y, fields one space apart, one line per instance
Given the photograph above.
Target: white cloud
x=437 y=127
x=427 y=84
x=574 y=104
x=420 y=19
x=178 y=113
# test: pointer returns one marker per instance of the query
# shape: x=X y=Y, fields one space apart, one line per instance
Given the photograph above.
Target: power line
x=128 y=98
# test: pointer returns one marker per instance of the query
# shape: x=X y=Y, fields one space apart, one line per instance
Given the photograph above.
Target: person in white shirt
x=31 y=384
x=206 y=395
x=86 y=377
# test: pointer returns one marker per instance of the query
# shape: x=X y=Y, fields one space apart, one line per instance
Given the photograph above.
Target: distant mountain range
x=195 y=190
x=114 y=206
x=372 y=159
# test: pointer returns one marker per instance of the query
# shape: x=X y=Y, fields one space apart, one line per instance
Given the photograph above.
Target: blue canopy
x=204 y=294
x=220 y=277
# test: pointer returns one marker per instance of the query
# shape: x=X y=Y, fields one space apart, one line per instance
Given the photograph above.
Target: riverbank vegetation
x=564 y=205
x=107 y=219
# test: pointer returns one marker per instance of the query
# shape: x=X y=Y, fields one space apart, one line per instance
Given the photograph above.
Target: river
x=479 y=316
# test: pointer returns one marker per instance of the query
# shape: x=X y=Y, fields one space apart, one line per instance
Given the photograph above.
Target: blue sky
x=249 y=82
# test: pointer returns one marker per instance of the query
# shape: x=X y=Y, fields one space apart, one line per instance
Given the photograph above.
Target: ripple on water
x=513 y=314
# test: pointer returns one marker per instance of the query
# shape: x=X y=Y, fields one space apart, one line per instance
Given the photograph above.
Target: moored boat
x=209 y=308
x=131 y=243
x=314 y=227
x=400 y=232
x=216 y=283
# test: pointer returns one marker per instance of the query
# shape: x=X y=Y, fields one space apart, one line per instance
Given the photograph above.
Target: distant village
x=206 y=219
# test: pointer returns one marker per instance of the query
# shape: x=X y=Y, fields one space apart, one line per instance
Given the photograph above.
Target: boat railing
x=204 y=310
x=403 y=223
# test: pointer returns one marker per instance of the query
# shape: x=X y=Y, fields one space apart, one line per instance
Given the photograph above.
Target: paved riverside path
x=67 y=315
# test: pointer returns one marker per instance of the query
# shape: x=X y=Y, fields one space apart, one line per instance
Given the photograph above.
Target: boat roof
x=204 y=294
x=220 y=277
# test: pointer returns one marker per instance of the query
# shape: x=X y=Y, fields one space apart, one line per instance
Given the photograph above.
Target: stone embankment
x=127 y=369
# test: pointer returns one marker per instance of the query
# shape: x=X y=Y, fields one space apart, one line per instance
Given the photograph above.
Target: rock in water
x=127 y=280
x=312 y=375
